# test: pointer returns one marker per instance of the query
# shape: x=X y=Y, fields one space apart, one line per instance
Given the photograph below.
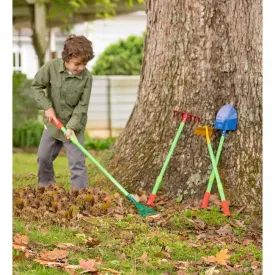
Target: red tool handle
x=205 y=200
x=151 y=199
x=57 y=123
x=225 y=208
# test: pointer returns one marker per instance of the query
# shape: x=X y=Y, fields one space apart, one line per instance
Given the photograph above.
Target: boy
x=68 y=88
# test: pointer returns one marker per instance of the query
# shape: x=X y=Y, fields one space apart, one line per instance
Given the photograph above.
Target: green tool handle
x=85 y=152
x=167 y=160
x=212 y=176
x=220 y=188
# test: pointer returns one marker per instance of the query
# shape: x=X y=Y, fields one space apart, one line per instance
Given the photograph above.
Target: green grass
x=122 y=242
x=24 y=163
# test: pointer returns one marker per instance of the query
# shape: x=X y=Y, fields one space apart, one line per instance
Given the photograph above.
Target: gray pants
x=49 y=149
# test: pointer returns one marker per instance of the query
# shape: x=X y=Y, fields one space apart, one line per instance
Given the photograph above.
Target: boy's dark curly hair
x=78 y=45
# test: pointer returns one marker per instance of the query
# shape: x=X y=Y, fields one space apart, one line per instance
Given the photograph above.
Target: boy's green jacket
x=68 y=94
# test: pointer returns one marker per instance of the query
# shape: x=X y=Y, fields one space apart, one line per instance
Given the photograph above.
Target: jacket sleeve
x=79 y=116
x=39 y=83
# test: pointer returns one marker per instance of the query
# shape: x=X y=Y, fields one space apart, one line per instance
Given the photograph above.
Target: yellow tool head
x=201 y=131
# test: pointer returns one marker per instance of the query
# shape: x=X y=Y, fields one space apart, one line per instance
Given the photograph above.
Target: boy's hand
x=69 y=133
x=50 y=114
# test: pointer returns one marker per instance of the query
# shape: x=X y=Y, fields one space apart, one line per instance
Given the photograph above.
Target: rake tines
x=184 y=116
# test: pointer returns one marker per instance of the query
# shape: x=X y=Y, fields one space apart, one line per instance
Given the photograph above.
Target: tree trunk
x=199 y=55
x=39 y=28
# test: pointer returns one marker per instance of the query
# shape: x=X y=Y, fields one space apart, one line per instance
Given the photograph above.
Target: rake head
x=143 y=210
x=184 y=116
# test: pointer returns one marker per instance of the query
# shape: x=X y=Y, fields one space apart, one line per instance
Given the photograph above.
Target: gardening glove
x=50 y=114
x=69 y=133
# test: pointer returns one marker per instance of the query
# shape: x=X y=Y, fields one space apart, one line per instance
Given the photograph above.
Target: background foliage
x=121 y=58
x=23 y=104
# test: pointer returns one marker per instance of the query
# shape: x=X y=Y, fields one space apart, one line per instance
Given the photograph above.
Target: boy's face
x=75 y=65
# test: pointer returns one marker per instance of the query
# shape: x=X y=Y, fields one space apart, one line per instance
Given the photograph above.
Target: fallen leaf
x=90 y=242
x=247 y=241
x=90 y=265
x=143 y=198
x=211 y=271
x=255 y=264
x=50 y=263
x=222 y=256
x=214 y=199
x=144 y=257
x=21 y=239
x=54 y=255
x=225 y=230
x=19 y=247
x=209 y=259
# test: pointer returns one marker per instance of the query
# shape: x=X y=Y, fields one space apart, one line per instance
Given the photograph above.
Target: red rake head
x=185 y=116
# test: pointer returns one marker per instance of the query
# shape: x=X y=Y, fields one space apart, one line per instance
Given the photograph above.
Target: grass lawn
x=182 y=240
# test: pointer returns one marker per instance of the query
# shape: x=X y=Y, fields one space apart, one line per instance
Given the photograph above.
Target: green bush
x=99 y=144
x=23 y=104
x=28 y=135
x=121 y=58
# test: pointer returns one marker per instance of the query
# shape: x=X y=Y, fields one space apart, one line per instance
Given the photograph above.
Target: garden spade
x=142 y=209
x=183 y=116
x=204 y=131
x=226 y=119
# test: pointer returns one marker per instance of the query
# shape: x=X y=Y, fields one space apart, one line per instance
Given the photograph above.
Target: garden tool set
x=226 y=119
x=184 y=116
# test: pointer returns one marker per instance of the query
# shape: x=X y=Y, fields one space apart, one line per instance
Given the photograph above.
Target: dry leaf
x=211 y=271
x=50 y=263
x=143 y=198
x=222 y=256
x=19 y=247
x=144 y=258
x=90 y=265
x=55 y=255
x=225 y=230
x=209 y=259
x=214 y=199
x=21 y=239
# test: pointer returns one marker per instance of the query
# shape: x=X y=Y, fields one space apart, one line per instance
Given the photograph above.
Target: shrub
x=28 y=135
x=99 y=144
x=121 y=58
x=23 y=104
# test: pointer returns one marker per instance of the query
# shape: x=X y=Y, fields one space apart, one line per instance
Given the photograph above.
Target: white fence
x=111 y=104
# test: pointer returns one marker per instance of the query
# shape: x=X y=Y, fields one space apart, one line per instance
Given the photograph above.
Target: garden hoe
x=205 y=131
x=226 y=119
x=183 y=116
x=142 y=209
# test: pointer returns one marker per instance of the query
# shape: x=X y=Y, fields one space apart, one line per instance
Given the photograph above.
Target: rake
x=207 y=132
x=142 y=209
x=184 y=116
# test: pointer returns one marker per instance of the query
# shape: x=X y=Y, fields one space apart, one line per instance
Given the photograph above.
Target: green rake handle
x=225 y=206
x=142 y=209
x=212 y=176
x=59 y=125
x=165 y=164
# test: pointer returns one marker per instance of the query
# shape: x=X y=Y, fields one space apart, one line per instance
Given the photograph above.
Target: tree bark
x=199 y=55
x=39 y=28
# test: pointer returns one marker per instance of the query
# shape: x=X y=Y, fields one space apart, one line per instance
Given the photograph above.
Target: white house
x=101 y=32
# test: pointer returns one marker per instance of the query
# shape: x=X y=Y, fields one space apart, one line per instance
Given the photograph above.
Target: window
x=17 y=61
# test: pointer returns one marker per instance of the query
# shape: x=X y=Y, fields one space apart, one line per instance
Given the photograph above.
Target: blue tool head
x=226 y=118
